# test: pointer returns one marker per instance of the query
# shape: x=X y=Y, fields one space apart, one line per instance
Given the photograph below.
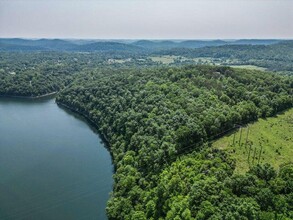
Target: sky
x=147 y=19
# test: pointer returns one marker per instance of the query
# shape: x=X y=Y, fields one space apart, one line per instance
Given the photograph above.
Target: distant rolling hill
x=106 y=46
x=167 y=44
x=275 y=57
x=155 y=44
x=255 y=42
x=18 y=44
x=34 y=45
x=200 y=43
x=16 y=47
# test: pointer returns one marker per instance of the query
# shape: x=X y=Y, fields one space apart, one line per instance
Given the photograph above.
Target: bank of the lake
x=48 y=95
x=53 y=164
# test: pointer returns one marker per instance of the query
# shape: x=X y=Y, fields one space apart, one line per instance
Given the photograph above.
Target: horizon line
x=75 y=38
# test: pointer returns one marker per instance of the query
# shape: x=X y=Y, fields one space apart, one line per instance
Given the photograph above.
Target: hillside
x=16 y=44
x=153 y=117
x=19 y=44
x=106 y=46
x=38 y=73
x=276 y=57
x=164 y=44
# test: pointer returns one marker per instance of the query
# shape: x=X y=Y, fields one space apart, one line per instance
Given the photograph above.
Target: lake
x=53 y=165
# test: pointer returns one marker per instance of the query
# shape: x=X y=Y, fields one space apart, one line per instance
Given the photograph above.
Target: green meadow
x=251 y=67
x=163 y=59
x=265 y=141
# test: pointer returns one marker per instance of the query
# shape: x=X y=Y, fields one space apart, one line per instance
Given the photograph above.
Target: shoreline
x=66 y=107
x=91 y=122
x=30 y=97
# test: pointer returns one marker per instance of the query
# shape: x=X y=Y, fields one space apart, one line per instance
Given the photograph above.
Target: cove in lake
x=53 y=165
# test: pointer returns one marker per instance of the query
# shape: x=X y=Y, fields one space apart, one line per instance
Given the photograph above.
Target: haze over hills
x=167 y=44
x=18 y=44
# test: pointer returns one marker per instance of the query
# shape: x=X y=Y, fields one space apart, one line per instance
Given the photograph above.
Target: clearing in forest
x=265 y=141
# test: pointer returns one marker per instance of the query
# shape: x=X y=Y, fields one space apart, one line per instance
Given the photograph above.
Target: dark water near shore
x=52 y=163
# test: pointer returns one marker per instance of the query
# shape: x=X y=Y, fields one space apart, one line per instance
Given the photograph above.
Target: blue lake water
x=53 y=165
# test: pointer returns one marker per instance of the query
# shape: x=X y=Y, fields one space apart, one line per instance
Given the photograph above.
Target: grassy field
x=265 y=141
x=206 y=60
x=252 y=67
x=170 y=59
x=164 y=59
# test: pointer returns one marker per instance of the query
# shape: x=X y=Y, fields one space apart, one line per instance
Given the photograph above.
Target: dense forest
x=159 y=120
x=39 y=73
x=35 y=74
x=152 y=118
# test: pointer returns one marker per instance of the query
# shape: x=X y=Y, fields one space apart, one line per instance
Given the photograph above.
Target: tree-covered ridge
x=38 y=73
x=79 y=45
x=35 y=74
x=152 y=116
x=276 y=57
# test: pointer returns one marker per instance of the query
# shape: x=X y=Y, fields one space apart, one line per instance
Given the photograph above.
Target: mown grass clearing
x=205 y=60
x=251 y=67
x=265 y=141
x=164 y=59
